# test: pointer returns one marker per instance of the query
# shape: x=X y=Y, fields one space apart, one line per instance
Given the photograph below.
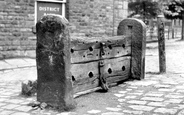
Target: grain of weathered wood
x=115 y=79
x=94 y=55
x=83 y=70
x=85 y=56
x=89 y=84
x=116 y=52
x=137 y=30
x=89 y=73
x=84 y=44
x=80 y=71
x=87 y=51
x=116 y=66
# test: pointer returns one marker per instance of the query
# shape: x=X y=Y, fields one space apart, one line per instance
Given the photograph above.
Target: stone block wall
x=96 y=18
x=16 y=20
x=88 y=19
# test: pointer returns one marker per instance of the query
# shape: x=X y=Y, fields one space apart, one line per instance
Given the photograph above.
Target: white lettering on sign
x=47 y=13
x=52 y=9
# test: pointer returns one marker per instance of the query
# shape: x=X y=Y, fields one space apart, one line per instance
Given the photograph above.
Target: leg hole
x=129 y=29
x=110 y=47
x=123 y=45
x=72 y=50
x=123 y=68
x=90 y=74
x=109 y=41
x=109 y=70
x=83 y=56
x=73 y=78
x=90 y=49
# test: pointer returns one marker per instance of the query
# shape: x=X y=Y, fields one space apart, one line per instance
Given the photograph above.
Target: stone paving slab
x=10 y=64
x=15 y=63
x=19 y=75
x=4 y=65
x=32 y=62
x=143 y=99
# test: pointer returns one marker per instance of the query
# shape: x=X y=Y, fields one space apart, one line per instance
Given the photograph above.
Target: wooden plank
x=115 y=79
x=84 y=70
x=116 y=52
x=90 y=84
x=85 y=76
x=84 y=44
x=94 y=39
x=78 y=94
x=87 y=55
x=117 y=66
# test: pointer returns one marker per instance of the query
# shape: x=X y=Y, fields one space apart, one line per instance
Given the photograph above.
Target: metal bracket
x=103 y=81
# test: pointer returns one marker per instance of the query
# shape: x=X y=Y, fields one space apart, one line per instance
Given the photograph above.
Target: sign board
x=44 y=7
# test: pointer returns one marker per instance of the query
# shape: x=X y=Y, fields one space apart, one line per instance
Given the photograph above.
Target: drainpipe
x=182 y=33
x=144 y=14
x=113 y=17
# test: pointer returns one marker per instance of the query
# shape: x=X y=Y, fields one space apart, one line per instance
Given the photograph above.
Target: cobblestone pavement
x=157 y=94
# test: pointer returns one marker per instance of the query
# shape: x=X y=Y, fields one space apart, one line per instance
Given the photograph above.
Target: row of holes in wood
x=91 y=73
x=91 y=48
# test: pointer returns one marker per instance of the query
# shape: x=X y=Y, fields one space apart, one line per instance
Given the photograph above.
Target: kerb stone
x=141 y=108
x=166 y=111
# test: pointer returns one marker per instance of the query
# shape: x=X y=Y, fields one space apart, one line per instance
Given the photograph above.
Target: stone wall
x=96 y=18
x=88 y=18
x=16 y=20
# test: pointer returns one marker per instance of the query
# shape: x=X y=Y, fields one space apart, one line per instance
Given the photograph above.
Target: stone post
x=182 y=30
x=53 y=62
x=137 y=30
x=161 y=43
x=172 y=28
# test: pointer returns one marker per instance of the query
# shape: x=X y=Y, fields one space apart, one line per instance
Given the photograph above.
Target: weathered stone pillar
x=137 y=29
x=53 y=62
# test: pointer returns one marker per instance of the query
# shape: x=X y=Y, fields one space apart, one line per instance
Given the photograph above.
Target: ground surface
x=155 y=95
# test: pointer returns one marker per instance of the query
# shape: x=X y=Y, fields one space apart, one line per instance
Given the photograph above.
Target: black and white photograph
x=91 y=57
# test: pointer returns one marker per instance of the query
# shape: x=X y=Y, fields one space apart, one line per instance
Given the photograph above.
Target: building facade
x=88 y=19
